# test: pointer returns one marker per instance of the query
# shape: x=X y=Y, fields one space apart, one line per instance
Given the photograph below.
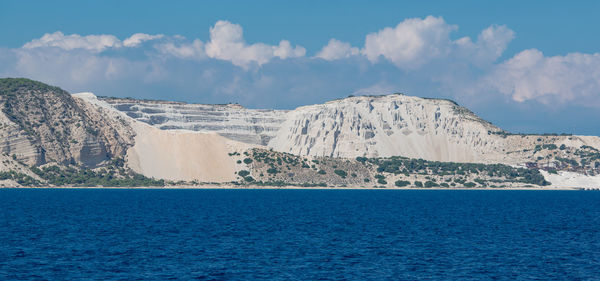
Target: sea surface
x=127 y=234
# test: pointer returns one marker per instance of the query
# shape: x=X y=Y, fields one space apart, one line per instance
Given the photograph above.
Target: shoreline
x=297 y=188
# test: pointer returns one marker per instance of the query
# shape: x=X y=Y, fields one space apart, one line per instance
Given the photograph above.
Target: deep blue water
x=299 y=234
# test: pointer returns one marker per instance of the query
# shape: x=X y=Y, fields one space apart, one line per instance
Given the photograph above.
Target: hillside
x=50 y=137
x=42 y=124
x=365 y=126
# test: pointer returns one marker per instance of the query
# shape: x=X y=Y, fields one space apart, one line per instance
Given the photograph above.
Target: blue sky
x=527 y=66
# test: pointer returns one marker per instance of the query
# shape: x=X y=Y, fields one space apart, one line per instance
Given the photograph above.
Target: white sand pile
x=176 y=154
x=183 y=155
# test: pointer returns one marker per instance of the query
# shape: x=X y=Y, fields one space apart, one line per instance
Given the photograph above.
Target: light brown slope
x=183 y=155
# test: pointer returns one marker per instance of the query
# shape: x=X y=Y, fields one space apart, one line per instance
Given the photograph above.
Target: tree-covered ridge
x=12 y=86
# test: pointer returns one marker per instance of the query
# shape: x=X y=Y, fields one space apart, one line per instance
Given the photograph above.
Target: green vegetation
x=20 y=178
x=60 y=176
x=430 y=184
x=11 y=86
x=243 y=173
x=401 y=183
x=341 y=173
x=247 y=160
x=402 y=165
x=469 y=184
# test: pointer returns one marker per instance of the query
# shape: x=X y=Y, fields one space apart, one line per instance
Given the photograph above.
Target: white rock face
x=387 y=126
x=369 y=126
x=13 y=141
x=231 y=121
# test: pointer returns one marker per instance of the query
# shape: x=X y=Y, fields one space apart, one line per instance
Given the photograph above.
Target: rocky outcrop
x=394 y=125
x=229 y=120
x=44 y=124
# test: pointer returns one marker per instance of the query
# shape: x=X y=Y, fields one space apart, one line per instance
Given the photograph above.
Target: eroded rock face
x=366 y=126
x=359 y=126
x=382 y=126
x=232 y=121
x=15 y=142
x=44 y=124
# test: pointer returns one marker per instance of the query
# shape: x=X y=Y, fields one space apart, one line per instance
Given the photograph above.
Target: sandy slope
x=177 y=154
x=183 y=155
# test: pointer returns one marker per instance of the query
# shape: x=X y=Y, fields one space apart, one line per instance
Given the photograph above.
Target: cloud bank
x=418 y=55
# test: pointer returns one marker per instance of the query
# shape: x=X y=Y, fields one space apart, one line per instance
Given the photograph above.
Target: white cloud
x=96 y=43
x=227 y=43
x=411 y=43
x=138 y=38
x=490 y=45
x=427 y=61
x=529 y=75
x=72 y=68
x=194 y=50
x=416 y=42
x=337 y=49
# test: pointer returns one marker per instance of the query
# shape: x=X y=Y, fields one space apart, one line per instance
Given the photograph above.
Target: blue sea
x=128 y=234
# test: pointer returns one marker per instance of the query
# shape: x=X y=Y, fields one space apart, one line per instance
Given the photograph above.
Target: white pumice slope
x=175 y=154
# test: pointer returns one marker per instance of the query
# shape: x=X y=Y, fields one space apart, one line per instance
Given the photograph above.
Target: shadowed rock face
x=44 y=124
x=232 y=121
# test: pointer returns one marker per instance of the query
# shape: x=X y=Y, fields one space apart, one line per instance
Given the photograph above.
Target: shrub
x=243 y=173
x=321 y=172
x=400 y=183
x=341 y=173
x=247 y=160
x=249 y=179
x=418 y=184
x=469 y=184
x=272 y=171
x=381 y=181
x=430 y=184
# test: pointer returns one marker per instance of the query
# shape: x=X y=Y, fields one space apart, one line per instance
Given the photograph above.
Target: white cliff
x=394 y=125
x=369 y=126
x=229 y=120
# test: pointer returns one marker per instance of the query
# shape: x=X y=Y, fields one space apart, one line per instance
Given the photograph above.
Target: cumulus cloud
x=411 y=43
x=227 y=43
x=138 y=38
x=418 y=56
x=530 y=75
x=416 y=42
x=490 y=45
x=193 y=50
x=337 y=49
x=94 y=43
x=97 y=43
